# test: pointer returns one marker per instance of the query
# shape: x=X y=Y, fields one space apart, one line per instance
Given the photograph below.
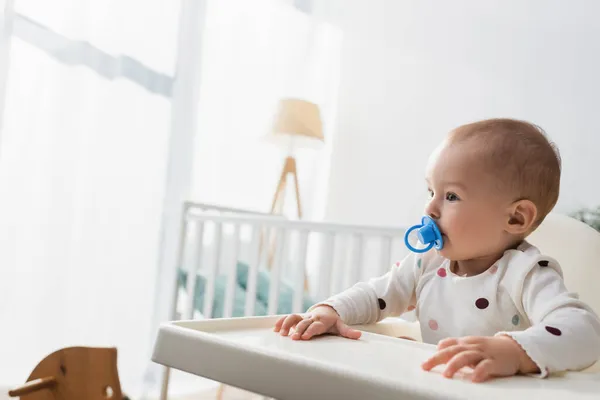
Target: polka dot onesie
x=522 y=295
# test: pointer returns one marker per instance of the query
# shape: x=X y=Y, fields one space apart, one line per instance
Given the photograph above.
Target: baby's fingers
x=445 y=343
x=462 y=359
x=279 y=323
x=301 y=327
x=484 y=371
x=314 y=329
x=345 y=331
x=288 y=322
x=442 y=356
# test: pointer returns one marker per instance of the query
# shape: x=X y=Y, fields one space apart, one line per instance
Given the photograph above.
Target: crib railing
x=313 y=259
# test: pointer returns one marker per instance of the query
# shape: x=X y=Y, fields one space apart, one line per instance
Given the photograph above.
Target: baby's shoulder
x=516 y=265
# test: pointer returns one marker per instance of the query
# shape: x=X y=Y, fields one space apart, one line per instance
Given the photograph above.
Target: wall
x=412 y=70
x=248 y=65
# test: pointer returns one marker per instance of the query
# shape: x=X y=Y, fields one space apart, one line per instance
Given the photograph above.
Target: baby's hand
x=488 y=356
x=322 y=319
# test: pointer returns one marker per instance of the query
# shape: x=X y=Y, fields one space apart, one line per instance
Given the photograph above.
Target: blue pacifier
x=428 y=233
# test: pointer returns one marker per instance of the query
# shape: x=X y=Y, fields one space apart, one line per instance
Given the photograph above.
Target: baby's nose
x=434 y=215
x=432 y=211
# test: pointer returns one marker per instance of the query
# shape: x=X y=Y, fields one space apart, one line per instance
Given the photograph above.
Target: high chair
x=246 y=353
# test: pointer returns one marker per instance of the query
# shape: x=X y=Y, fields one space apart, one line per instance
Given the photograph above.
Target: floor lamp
x=297 y=125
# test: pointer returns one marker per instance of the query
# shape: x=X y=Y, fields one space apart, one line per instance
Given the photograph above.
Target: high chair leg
x=220 y=390
x=164 y=390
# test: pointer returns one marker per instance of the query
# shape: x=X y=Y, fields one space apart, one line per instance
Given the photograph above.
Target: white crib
x=307 y=260
x=322 y=257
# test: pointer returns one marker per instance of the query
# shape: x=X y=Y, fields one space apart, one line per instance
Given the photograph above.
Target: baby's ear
x=522 y=215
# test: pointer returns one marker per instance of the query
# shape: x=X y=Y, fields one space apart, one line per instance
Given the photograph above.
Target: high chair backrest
x=576 y=246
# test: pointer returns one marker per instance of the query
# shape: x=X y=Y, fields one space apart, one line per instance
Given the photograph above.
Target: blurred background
x=113 y=113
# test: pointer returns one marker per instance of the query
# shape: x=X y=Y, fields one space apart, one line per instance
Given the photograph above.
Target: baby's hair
x=519 y=154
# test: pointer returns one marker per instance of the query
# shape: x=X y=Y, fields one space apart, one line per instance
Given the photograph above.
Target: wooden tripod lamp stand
x=297 y=125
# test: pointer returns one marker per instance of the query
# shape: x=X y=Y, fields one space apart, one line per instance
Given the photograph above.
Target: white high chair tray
x=246 y=353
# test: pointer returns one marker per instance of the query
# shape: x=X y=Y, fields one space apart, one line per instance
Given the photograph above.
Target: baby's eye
x=430 y=193
x=451 y=196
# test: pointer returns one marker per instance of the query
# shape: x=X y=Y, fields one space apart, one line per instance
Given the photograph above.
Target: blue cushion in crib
x=239 y=299
x=286 y=292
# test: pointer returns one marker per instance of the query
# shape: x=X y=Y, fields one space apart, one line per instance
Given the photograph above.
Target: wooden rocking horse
x=74 y=373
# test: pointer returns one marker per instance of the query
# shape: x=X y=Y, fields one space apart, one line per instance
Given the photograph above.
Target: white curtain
x=85 y=160
x=82 y=174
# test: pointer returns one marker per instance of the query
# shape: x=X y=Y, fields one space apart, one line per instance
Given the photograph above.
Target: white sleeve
x=565 y=332
x=385 y=296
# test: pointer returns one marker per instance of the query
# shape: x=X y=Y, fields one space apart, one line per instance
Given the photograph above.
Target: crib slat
x=211 y=276
x=280 y=253
x=386 y=254
x=253 y=266
x=192 y=273
x=231 y=272
x=358 y=243
x=300 y=272
x=339 y=271
x=326 y=267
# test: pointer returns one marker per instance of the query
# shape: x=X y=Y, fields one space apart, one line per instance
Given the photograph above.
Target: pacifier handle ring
x=410 y=247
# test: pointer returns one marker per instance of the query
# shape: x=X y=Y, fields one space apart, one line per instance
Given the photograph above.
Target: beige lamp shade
x=297 y=124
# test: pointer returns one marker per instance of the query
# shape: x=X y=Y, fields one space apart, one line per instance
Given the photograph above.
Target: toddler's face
x=466 y=205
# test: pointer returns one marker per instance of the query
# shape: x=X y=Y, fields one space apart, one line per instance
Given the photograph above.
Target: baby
x=488 y=299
